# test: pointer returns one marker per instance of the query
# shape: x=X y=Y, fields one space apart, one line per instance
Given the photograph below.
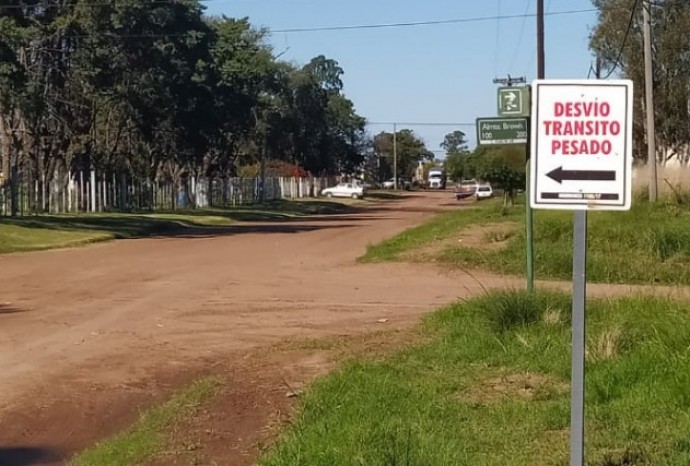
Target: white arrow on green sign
x=513 y=101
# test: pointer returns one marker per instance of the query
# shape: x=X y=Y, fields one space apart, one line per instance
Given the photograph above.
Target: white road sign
x=581 y=155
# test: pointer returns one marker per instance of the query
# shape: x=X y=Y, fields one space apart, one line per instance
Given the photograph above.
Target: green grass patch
x=437 y=229
x=490 y=387
x=647 y=245
x=18 y=234
x=147 y=438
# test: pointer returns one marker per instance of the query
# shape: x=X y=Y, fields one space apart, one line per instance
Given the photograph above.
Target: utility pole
x=541 y=65
x=649 y=100
x=529 y=215
x=395 y=156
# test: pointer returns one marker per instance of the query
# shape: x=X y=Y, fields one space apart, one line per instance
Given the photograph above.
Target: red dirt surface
x=90 y=336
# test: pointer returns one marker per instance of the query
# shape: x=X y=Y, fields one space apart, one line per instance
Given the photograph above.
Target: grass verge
x=147 y=438
x=19 y=234
x=490 y=387
x=648 y=245
x=439 y=228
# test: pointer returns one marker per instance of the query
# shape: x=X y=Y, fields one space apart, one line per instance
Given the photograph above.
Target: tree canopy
x=671 y=82
x=147 y=89
x=410 y=150
x=455 y=145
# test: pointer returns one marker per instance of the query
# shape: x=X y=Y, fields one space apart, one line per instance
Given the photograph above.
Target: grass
x=19 y=234
x=437 y=229
x=490 y=387
x=147 y=438
x=647 y=245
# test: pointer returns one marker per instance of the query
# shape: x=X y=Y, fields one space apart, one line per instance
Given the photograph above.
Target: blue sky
x=434 y=73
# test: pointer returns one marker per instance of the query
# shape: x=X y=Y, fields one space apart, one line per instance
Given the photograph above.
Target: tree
x=502 y=166
x=410 y=152
x=455 y=143
x=147 y=91
x=670 y=23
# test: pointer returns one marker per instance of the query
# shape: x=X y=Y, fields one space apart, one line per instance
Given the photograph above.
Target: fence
x=94 y=192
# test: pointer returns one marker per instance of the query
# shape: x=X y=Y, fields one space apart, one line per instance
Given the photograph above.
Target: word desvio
x=586 y=124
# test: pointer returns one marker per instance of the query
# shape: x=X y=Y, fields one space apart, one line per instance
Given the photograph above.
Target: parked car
x=355 y=191
x=403 y=183
x=465 y=189
x=484 y=191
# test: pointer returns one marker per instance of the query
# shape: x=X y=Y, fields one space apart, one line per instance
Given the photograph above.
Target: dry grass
x=673 y=182
x=607 y=346
x=552 y=316
x=527 y=385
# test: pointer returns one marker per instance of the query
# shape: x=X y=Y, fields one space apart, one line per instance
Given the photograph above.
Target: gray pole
x=649 y=105
x=395 y=156
x=577 y=384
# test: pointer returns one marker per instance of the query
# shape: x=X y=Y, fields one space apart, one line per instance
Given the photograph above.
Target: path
x=88 y=335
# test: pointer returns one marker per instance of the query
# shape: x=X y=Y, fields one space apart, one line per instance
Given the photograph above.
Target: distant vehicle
x=389 y=184
x=352 y=190
x=465 y=189
x=484 y=191
x=402 y=184
x=436 y=179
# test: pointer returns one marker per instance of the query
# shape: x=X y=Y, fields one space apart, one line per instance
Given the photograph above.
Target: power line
x=475 y=19
x=522 y=33
x=335 y=28
x=498 y=38
x=625 y=41
x=403 y=123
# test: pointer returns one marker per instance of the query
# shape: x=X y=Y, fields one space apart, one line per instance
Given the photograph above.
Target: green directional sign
x=502 y=131
x=513 y=101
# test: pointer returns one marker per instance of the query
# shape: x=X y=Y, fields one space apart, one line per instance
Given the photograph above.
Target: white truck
x=436 y=179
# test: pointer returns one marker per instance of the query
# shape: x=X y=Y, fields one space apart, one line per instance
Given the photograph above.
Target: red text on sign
x=582 y=109
x=581 y=147
x=582 y=128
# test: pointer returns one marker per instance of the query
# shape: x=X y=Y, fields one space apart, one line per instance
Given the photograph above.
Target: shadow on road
x=8 y=309
x=278 y=217
x=130 y=227
x=212 y=232
x=27 y=456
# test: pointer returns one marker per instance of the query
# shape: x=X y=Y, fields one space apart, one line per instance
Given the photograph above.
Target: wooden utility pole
x=649 y=100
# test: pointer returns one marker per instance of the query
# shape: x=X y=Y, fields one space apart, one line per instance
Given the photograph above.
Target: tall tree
x=411 y=150
x=455 y=143
x=671 y=49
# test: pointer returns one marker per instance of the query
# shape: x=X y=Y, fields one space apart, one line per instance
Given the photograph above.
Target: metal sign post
x=577 y=383
x=581 y=160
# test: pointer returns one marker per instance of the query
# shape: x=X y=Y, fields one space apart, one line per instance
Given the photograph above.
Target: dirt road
x=89 y=336
x=84 y=321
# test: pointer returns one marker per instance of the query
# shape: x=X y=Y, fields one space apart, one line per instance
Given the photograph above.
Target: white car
x=355 y=191
x=484 y=191
x=389 y=184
